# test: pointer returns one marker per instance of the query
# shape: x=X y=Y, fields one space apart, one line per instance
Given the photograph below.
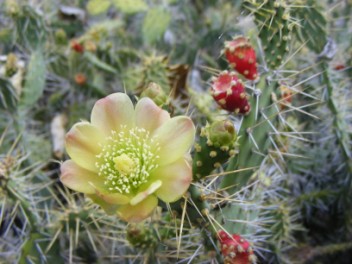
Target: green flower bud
x=11 y=64
x=12 y=8
x=222 y=133
x=60 y=37
x=156 y=93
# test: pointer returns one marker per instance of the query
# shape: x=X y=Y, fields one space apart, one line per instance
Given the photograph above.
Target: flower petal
x=142 y=195
x=78 y=178
x=176 y=137
x=113 y=111
x=150 y=116
x=136 y=213
x=108 y=208
x=82 y=144
x=176 y=178
x=112 y=198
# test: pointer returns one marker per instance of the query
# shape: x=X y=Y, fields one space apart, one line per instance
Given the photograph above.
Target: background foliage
x=288 y=188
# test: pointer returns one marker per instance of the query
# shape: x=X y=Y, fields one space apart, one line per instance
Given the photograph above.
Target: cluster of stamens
x=127 y=159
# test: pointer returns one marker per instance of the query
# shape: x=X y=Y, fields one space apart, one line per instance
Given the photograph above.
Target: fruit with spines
x=229 y=92
x=235 y=249
x=76 y=46
x=241 y=56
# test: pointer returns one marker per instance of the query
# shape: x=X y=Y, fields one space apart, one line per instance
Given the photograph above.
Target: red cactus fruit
x=241 y=56
x=80 y=79
x=228 y=91
x=339 y=67
x=76 y=46
x=235 y=249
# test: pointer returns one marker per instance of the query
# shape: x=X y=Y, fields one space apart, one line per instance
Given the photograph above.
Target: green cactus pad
x=312 y=29
x=275 y=27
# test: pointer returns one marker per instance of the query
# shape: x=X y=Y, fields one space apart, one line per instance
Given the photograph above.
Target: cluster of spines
x=229 y=92
x=155 y=69
x=273 y=21
x=312 y=29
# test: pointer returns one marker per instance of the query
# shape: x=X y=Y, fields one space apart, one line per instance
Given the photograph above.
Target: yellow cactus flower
x=126 y=158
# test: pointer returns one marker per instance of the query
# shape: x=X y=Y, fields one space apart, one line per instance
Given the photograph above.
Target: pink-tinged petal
x=142 y=195
x=112 y=198
x=150 y=116
x=78 y=178
x=176 y=178
x=175 y=137
x=82 y=144
x=108 y=208
x=112 y=112
x=137 y=213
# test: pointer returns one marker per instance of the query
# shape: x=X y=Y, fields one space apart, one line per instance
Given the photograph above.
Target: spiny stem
x=247 y=157
x=340 y=128
x=15 y=196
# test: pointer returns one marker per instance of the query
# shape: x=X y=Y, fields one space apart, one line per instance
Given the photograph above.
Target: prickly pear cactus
x=173 y=132
x=216 y=145
x=274 y=23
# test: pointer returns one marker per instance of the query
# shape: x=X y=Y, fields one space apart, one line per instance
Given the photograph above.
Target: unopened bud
x=222 y=133
x=11 y=64
x=12 y=8
x=60 y=37
x=156 y=93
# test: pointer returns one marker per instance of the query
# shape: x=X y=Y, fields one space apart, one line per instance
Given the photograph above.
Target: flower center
x=127 y=159
x=124 y=164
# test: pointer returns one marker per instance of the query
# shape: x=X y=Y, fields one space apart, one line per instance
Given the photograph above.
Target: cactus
x=310 y=17
x=228 y=91
x=242 y=57
x=235 y=249
x=275 y=25
x=219 y=133
x=216 y=145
